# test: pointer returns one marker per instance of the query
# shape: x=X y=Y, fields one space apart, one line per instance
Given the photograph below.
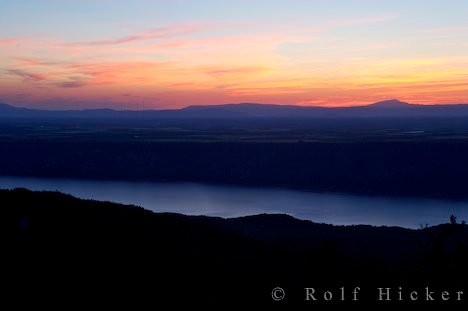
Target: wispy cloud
x=151 y=34
x=444 y=30
x=34 y=61
x=343 y=22
x=27 y=76
x=220 y=72
x=9 y=41
x=298 y=62
x=72 y=83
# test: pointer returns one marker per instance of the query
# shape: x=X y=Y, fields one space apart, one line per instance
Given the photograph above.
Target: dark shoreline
x=460 y=198
x=406 y=169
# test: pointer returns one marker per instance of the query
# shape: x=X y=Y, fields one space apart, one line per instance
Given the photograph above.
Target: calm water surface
x=230 y=201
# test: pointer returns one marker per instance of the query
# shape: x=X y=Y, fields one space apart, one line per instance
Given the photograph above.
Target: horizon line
x=229 y=104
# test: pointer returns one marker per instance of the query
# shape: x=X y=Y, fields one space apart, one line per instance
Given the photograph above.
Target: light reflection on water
x=230 y=201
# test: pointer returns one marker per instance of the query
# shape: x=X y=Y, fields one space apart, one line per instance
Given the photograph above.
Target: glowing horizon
x=171 y=54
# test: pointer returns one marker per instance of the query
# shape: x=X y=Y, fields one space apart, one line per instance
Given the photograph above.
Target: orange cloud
x=224 y=72
x=291 y=66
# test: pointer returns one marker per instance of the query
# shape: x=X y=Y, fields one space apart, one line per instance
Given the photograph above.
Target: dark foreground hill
x=64 y=251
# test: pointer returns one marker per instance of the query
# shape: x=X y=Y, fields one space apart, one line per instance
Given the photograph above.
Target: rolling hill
x=58 y=248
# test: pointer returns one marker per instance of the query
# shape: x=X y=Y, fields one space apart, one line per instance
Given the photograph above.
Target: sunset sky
x=62 y=54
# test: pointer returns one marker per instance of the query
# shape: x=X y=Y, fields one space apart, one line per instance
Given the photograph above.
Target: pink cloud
x=32 y=61
x=264 y=41
x=9 y=41
x=155 y=33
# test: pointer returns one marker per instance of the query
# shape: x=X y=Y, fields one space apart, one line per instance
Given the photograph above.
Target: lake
x=233 y=201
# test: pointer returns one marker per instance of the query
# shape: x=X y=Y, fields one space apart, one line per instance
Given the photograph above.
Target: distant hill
x=388 y=108
x=391 y=104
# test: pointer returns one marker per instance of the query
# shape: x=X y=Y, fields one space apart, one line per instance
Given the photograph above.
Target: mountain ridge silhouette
x=386 y=108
